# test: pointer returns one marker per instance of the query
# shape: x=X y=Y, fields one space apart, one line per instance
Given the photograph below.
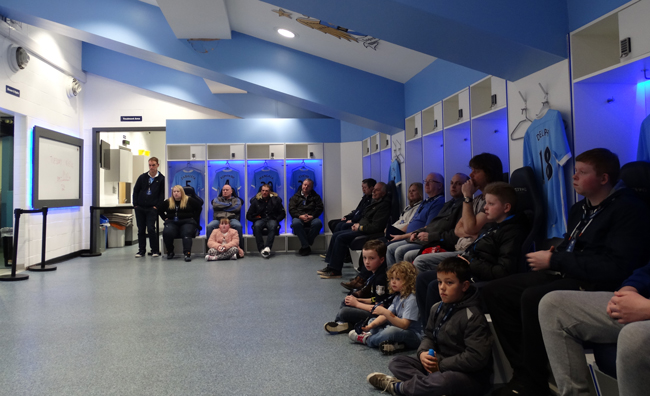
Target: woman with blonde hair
x=178 y=213
x=224 y=243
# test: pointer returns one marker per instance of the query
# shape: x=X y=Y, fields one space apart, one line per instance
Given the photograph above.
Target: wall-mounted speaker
x=17 y=57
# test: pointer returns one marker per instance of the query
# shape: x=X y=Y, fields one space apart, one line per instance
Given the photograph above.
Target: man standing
x=148 y=195
x=305 y=207
x=372 y=221
x=266 y=210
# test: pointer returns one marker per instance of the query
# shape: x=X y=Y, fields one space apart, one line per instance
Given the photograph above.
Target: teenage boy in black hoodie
x=607 y=240
x=354 y=310
x=148 y=196
x=495 y=253
x=455 y=355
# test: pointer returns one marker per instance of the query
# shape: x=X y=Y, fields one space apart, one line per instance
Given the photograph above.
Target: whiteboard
x=58 y=170
x=58 y=174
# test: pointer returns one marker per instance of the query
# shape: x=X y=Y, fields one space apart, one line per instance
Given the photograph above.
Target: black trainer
x=331 y=274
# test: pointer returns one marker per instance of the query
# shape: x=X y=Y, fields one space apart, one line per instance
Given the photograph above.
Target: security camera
x=73 y=88
x=18 y=58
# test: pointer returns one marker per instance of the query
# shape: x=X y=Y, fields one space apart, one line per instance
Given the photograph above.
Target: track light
x=18 y=58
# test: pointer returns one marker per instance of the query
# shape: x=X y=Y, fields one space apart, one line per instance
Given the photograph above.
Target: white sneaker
x=234 y=257
x=207 y=257
x=155 y=255
x=266 y=252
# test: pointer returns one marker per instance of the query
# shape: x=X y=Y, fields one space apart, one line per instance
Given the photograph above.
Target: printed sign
x=13 y=91
x=130 y=118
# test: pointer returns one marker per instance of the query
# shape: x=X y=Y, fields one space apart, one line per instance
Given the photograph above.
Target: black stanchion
x=40 y=267
x=94 y=249
x=14 y=276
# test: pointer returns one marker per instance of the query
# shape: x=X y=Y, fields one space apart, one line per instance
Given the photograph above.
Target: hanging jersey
x=643 y=152
x=394 y=173
x=229 y=177
x=269 y=176
x=189 y=177
x=299 y=175
x=546 y=150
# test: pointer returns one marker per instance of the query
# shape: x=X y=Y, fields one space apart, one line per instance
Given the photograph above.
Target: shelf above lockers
x=456 y=109
x=304 y=151
x=488 y=95
x=265 y=151
x=226 y=151
x=365 y=147
x=432 y=119
x=186 y=152
x=413 y=126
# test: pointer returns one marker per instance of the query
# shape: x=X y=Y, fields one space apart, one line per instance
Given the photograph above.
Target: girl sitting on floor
x=224 y=243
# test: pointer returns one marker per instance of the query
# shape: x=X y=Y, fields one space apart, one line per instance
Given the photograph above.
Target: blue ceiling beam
x=508 y=38
x=268 y=70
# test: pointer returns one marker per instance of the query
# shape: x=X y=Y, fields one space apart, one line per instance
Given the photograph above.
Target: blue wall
x=436 y=82
x=254 y=131
x=581 y=12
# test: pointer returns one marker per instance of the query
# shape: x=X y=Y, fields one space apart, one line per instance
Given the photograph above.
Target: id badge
x=379 y=290
x=148 y=191
x=572 y=245
x=175 y=218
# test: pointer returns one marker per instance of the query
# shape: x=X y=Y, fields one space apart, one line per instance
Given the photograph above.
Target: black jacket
x=495 y=253
x=311 y=205
x=355 y=215
x=611 y=247
x=188 y=213
x=140 y=196
x=375 y=216
x=441 y=229
x=464 y=342
x=270 y=208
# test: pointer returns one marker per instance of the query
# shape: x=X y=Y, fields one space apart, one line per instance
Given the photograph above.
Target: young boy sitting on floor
x=455 y=356
x=354 y=310
x=397 y=327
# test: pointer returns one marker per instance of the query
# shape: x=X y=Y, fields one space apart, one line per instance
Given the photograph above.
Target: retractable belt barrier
x=37 y=267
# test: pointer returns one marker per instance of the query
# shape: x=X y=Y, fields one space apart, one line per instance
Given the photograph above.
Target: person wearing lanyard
x=178 y=213
x=607 y=240
x=148 y=195
x=458 y=334
x=305 y=207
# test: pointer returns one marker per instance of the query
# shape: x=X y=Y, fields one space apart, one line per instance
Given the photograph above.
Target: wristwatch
x=468 y=199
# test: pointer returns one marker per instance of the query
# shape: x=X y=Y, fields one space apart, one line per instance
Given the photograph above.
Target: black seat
x=530 y=203
x=636 y=175
x=189 y=191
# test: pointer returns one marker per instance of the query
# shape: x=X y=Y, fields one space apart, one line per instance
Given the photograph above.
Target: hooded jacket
x=611 y=247
x=464 y=341
x=495 y=253
x=270 y=208
x=226 y=208
x=312 y=204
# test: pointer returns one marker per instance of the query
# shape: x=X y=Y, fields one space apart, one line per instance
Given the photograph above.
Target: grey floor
x=116 y=325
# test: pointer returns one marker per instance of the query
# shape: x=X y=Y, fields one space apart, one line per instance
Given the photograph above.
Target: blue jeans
x=396 y=251
x=146 y=218
x=258 y=226
x=184 y=228
x=409 y=338
x=338 y=247
x=234 y=223
x=306 y=239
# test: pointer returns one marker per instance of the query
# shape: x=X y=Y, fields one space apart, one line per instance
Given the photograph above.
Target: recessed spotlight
x=286 y=33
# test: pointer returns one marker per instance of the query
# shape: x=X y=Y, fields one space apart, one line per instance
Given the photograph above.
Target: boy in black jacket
x=354 y=310
x=455 y=355
x=148 y=195
x=494 y=254
x=607 y=240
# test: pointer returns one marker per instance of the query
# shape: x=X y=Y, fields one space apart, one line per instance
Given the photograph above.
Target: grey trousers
x=568 y=318
x=416 y=380
x=396 y=251
x=427 y=262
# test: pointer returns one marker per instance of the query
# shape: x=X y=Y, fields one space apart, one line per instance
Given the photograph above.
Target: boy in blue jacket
x=568 y=318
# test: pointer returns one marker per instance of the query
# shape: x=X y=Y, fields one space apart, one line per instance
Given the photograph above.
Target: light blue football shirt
x=189 y=177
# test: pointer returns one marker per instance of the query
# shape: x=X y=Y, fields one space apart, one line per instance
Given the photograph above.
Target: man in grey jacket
x=226 y=206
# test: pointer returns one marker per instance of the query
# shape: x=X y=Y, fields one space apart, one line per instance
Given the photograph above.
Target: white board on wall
x=58 y=170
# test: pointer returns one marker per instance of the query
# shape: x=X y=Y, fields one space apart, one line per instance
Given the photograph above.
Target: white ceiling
x=193 y=18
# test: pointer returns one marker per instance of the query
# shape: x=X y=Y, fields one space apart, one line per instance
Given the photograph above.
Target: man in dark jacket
x=373 y=221
x=305 y=207
x=266 y=211
x=148 y=195
x=349 y=219
x=606 y=242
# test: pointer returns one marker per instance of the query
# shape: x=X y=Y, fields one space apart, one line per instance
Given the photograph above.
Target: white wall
x=342 y=174
x=43 y=102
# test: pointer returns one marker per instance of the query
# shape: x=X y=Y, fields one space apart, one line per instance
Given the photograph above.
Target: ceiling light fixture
x=286 y=33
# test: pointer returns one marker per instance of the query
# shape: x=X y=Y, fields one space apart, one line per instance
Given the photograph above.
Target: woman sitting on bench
x=178 y=213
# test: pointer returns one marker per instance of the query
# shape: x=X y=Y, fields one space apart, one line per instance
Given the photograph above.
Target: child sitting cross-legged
x=397 y=327
x=354 y=310
x=455 y=355
x=224 y=243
